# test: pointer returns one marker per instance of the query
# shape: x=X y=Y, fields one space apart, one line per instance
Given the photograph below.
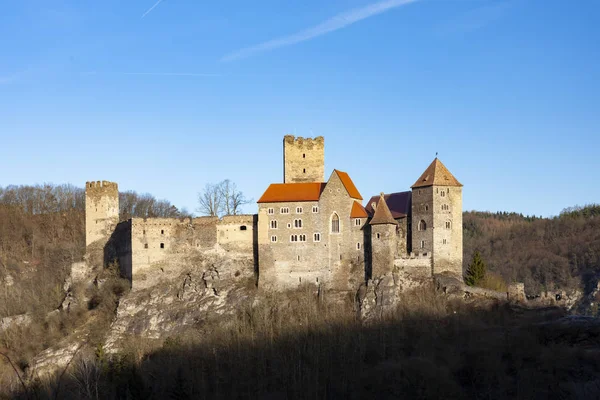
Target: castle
x=307 y=230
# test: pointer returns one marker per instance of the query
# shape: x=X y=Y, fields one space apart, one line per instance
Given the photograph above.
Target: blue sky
x=166 y=97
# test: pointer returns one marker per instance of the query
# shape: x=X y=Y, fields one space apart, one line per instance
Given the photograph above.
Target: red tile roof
x=348 y=184
x=358 y=211
x=282 y=192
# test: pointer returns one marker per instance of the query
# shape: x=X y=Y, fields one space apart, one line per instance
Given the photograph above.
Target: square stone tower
x=101 y=210
x=437 y=218
x=303 y=159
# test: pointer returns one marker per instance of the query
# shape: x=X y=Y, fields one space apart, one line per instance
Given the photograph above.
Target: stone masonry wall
x=447 y=230
x=422 y=210
x=336 y=260
x=101 y=210
x=303 y=159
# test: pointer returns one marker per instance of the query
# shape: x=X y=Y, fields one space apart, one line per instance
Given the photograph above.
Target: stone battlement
x=304 y=142
x=101 y=184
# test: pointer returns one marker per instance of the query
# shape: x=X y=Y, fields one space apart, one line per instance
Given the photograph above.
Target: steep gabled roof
x=382 y=214
x=436 y=174
x=283 y=192
x=399 y=203
x=358 y=211
x=348 y=184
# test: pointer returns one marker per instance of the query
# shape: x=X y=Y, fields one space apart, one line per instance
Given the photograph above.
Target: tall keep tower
x=303 y=159
x=101 y=210
x=437 y=218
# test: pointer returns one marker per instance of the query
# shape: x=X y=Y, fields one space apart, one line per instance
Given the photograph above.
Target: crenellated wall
x=303 y=159
x=101 y=211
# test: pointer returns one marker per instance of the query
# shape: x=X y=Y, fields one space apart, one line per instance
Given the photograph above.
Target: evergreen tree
x=475 y=271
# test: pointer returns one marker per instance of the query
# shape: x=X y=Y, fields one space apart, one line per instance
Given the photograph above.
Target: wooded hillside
x=545 y=253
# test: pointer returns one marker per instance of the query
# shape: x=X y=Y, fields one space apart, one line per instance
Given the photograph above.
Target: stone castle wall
x=101 y=210
x=303 y=159
x=447 y=230
x=336 y=259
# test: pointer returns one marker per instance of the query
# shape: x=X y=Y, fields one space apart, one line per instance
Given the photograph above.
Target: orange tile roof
x=436 y=174
x=358 y=211
x=281 y=192
x=348 y=184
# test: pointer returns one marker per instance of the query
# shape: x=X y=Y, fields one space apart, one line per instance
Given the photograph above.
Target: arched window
x=422 y=225
x=335 y=224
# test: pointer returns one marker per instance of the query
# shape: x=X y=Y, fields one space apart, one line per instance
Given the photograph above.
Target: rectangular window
x=422 y=244
x=298 y=210
x=284 y=210
x=302 y=238
x=162 y=231
x=297 y=223
x=357 y=246
x=317 y=237
x=357 y=222
x=273 y=239
x=270 y=211
x=315 y=209
x=273 y=224
x=146 y=245
x=445 y=242
x=162 y=245
x=293 y=238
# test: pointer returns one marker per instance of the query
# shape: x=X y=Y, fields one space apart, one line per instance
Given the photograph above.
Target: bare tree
x=233 y=199
x=221 y=199
x=209 y=201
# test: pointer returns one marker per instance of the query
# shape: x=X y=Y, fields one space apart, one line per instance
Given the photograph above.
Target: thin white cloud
x=152 y=8
x=339 y=21
x=189 y=74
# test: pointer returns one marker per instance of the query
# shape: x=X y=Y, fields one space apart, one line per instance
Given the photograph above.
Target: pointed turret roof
x=383 y=215
x=436 y=174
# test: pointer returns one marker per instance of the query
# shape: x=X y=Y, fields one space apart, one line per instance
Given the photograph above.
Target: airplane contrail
x=152 y=8
x=339 y=21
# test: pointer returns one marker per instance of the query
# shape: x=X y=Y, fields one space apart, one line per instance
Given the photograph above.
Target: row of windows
x=445 y=207
x=286 y=210
x=162 y=245
x=162 y=232
x=299 y=238
x=335 y=223
x=423 y=225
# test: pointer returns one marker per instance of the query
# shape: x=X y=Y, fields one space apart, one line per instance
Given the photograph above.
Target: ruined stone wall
x=303 y=159
x=101 y=210
x=415 y=265
x=236 y=232
x=204 y=232
x=154 y=239
x=447 y=230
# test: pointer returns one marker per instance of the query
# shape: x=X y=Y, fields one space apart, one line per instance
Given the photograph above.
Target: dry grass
x=297 y=345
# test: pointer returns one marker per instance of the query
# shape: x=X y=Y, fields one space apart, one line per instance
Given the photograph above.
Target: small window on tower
x=304 y=155
x=146 y=245
x=304 y=170
x=162 y=231
x=162 y=245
